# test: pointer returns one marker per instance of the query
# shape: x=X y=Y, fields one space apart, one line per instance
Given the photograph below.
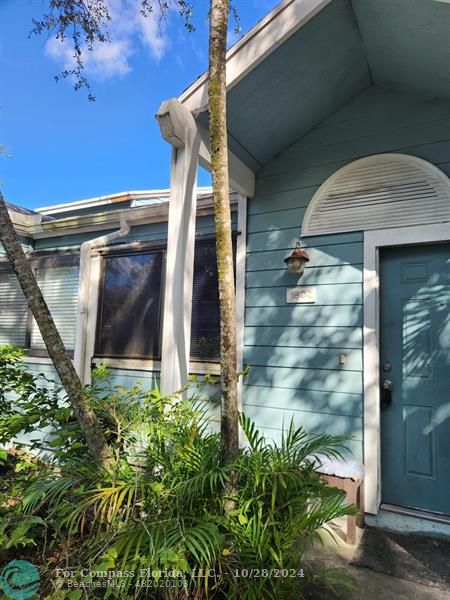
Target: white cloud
x=128 y=30
x=110 y=59
x=152 y=34
x=105 y=61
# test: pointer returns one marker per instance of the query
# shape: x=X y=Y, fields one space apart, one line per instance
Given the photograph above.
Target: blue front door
x=415 y=364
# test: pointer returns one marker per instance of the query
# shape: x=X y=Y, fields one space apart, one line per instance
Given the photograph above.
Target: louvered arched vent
x=375 y=192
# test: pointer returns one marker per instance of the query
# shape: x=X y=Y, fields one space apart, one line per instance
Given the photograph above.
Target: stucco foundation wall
x=293 y=350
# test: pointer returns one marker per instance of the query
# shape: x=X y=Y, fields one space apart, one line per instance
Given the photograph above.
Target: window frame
x=130 y=250
x=140 y=247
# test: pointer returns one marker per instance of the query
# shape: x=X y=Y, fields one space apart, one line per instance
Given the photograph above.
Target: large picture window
x=130 y=305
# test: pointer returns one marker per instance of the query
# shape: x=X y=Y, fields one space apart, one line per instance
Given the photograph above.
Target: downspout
x=84 y=291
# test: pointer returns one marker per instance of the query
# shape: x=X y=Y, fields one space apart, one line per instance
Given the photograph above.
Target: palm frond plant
x=160 y=508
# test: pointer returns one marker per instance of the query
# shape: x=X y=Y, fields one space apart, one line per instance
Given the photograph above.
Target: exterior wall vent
x=380 y=191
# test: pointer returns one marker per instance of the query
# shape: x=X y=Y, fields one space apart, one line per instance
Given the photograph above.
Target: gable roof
x=308 y=58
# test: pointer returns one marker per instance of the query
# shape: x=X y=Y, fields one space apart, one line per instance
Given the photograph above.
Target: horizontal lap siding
x=26 y=243
x=207 y=394
x=293 y=351
x=127 y=379
x=45 y=374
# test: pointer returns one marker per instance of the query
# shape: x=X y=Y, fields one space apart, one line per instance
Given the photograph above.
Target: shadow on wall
x=306 y=359
x=427 y=311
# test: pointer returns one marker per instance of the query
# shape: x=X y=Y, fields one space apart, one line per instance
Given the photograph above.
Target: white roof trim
x=154 y=213
x=112 y=199
x=22 y=222
x=267 y=35
x=378 y=192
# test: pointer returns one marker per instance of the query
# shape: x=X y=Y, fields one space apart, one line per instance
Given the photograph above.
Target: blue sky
x=61 y=147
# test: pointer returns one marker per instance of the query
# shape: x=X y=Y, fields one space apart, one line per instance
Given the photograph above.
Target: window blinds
x=59 y=286
x=13 y=310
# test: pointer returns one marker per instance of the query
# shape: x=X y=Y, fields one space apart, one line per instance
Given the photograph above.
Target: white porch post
x=179 y=129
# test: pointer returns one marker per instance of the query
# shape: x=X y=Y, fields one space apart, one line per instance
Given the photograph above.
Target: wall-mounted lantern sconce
x=296 y=262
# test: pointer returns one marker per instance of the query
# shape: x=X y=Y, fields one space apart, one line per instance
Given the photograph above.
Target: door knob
x=386 y=394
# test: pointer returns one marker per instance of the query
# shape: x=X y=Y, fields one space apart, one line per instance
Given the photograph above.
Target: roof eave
x=155 y=213
x=110 y=199
x=267 y=35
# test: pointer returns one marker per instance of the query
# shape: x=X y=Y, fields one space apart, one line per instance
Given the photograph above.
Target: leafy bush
x=161 y=507
x=34 y=408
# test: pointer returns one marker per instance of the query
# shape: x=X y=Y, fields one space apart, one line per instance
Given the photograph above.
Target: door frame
x=373 y=241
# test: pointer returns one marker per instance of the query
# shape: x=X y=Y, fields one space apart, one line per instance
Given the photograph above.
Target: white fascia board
x=280 y=24
x=156 y=213
x=23 y=222
x=110 y=199
x=100 y=221
x=100 y=201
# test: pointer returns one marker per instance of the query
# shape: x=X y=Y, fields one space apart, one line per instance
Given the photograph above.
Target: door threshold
x=409 y=520
x=414 y=512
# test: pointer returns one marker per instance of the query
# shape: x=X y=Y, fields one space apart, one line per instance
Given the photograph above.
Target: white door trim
x=373 y=240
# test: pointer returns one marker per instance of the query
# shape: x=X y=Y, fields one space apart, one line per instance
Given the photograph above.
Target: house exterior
x=100 y=264
x=339 y=135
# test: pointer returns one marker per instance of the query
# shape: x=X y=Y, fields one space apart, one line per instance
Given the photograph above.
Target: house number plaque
x=301 y=295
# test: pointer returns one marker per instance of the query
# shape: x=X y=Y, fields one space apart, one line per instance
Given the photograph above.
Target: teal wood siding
x=128 y=378
x=48 y=371
x=27 y=245
x=293 y=349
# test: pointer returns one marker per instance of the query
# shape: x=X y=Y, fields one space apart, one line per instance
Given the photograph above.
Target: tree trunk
x=219 y=10
x=62 y=362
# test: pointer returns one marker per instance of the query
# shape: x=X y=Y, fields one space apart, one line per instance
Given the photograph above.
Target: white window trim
x=150 y=365
x=38 y=360
x=373 y=241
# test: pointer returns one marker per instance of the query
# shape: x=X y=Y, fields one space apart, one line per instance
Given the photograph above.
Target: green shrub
x=30 y=404
x=161 y=507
